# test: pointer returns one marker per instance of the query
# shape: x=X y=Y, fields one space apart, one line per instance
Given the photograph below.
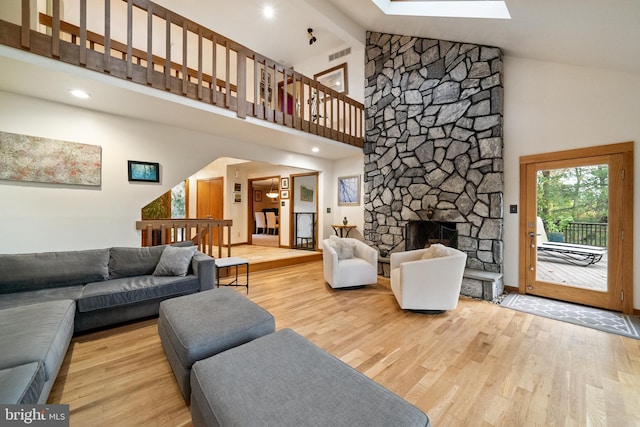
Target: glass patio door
x=575 y=210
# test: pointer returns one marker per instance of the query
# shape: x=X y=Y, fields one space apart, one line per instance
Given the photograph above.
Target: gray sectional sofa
x=47 y=297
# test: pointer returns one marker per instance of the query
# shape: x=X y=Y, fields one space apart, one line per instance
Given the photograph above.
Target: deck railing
x=204 y=232
x=587 y=233
x=143 y=42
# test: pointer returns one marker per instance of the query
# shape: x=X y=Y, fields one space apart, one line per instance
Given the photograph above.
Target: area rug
x=595 y=318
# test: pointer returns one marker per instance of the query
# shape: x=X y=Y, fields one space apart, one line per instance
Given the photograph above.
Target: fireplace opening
x=420 y=234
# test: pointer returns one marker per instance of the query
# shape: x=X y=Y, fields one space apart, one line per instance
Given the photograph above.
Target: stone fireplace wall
x=433 y=137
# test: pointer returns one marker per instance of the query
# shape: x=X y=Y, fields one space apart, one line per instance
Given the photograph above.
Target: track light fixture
x=312 y=38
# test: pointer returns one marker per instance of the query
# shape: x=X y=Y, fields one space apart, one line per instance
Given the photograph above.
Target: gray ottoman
x=283 y=379
x=196 y=326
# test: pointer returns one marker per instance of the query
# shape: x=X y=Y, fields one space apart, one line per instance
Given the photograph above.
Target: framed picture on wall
x=258 y=196
x=237 y=186
x=349 y=190
x=237 y=197
x=284 y=183
x=144 y=171
x=334 y=78
x=306 y=194
x=284 y=194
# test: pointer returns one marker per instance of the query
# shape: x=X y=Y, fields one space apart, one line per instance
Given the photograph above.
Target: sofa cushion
x=30 y=272
x=129 y=262
x=175 y=261
x=130 y=290
x=22 y=384
x=43 y=295
x=37 y=333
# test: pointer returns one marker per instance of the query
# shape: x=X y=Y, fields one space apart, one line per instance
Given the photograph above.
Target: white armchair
x=431 y=284
x=346 y=271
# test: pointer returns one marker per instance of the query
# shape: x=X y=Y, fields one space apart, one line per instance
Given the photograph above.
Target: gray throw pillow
x=175 y=261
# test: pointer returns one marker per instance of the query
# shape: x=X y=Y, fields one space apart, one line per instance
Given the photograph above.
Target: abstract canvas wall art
x=35 y=159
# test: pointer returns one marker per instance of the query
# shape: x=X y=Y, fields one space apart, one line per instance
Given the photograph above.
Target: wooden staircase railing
x=185 y=58
x=201 y=231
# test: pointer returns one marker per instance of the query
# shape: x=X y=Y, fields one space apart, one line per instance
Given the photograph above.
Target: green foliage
x=178 y=201
x=579 y=194
x=154 y=210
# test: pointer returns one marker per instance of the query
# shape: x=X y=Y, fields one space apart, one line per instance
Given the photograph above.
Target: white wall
x=552 y=107
x=353 y=165
x=355 y=68
x=42 y=217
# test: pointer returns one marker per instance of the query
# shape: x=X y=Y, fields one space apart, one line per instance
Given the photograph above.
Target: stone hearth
x=433 y=139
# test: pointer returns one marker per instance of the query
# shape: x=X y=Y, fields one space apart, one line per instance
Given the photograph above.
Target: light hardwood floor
x=478 y=365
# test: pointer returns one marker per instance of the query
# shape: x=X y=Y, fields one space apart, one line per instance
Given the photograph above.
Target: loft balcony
x=144 y=43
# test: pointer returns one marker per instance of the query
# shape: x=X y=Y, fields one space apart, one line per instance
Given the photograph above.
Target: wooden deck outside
x=588 y=277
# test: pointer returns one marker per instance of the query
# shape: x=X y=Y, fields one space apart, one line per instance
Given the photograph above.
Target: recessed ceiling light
x=315 y=149
x=268 y=12
x=79 y=93
x=450 y=8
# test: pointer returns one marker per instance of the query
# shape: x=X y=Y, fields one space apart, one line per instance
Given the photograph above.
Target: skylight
x=447 y=8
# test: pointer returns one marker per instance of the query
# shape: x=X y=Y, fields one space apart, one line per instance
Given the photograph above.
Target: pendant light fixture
x=272 y=194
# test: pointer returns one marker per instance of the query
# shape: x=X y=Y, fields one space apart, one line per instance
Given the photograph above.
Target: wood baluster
x=83 y=32
x=214 y=71
x=256 y=85
x=129 y=39
x=241 y=83
x=149 y=240
x=210 y=238
x=150 y=64
x=25 y=33
x=106 y=65
x=185 y=74
x=167 y=64
x=200 y=82
x=55 y=30
x=227 y=86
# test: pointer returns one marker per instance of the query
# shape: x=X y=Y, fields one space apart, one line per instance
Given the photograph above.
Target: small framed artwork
x=334 y=78
x=306 y=194
x=144 y=171
x=284 y=194
x=284 y=183
x=349 y=190
x=258 y=196
x=237 y=187
x=237 y=197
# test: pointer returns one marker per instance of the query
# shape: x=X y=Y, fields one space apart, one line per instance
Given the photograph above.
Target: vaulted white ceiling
x=593 y=33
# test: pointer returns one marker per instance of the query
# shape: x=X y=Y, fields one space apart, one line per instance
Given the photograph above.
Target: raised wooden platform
x=266 y=258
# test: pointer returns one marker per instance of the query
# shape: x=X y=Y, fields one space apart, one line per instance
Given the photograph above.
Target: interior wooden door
x=209 y=198
x=617 y=163
x=210 y=201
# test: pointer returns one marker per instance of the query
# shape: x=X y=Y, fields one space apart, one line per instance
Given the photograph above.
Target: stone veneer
x=433 y=137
